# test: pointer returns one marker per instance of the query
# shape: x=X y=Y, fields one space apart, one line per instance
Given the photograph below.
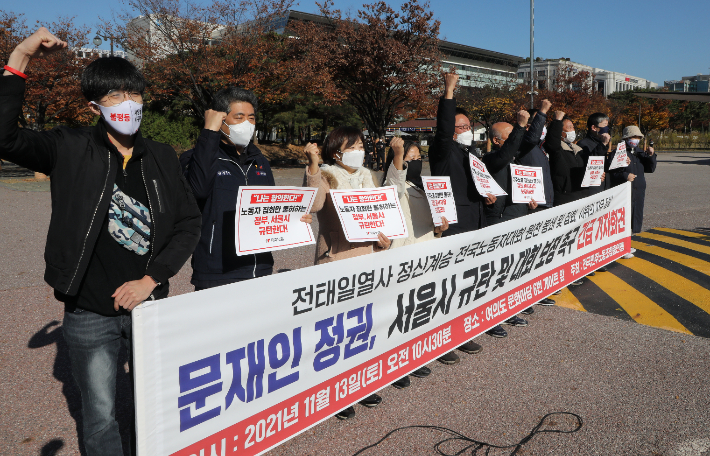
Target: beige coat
x=420 y=224
x=332 y=244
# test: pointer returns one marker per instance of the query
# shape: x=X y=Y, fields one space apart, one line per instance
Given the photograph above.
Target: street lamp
x=532 y=54
x=97 y=41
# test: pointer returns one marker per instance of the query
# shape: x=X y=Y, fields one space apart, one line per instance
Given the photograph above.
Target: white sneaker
x=633 y=250
x=628 y=256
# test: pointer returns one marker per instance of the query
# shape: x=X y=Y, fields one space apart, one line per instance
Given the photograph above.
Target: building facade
x=91 y=52
x=697 y=83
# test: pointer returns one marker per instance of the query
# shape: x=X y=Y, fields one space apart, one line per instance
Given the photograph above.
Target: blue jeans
x=94 y=342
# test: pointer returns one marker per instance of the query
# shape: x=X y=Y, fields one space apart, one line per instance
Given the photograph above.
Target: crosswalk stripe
x=693 y=234
x=685 y=260
x=690 y=291
x=677 y=242
x=636 y=304
x=568 y=300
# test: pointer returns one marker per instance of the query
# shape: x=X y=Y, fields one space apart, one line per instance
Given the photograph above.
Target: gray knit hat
x=631 y=131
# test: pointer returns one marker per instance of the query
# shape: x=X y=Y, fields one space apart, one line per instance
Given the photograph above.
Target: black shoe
x=591 y=274
x=603 y=269
x=546 y=302
x=346 y=414
x=557 y=292
x=497 y=331
x=402 y=383
x=515 y=321
x=529 y=311
x=449 y=358
x=421 y=372
x=577 y=282
x=471 y=348
x=373 y=400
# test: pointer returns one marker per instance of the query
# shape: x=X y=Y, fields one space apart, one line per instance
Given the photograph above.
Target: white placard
x=620 y=157
x=365 y=212
x=441 y=198
x=485 y=184
x=593 y=174
x=269 y=218
x=527 y=184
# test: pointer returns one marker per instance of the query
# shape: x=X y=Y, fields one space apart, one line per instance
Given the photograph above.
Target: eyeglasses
x=464 y=127
x=119 y=96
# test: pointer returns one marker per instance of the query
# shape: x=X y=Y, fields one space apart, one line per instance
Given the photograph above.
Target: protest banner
x=239 y=369
x=269 y=218
x=485 y=183
x=526 y=183
x=593 y=173
x=441 y=198
x=620 y=156
x=365 y=212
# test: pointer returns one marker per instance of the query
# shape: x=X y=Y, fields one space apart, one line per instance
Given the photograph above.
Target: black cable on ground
x=476 y=445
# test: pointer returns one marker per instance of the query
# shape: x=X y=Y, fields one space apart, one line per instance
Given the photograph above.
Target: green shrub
x=179 y=131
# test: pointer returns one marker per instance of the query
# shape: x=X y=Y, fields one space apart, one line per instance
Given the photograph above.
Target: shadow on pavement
x=50 y=334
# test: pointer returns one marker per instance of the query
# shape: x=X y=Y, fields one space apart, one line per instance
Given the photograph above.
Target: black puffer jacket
x=82 y=179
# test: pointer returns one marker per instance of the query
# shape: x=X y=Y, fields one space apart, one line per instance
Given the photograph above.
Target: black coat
x=592 y=146
x=535 y=156
x=641 y=163
x=215 y=173
x=82 y=179
x=566 y=168
x=449 y=158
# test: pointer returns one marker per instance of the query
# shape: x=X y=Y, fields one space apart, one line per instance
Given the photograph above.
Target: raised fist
x=545 y=105
x=523 y=117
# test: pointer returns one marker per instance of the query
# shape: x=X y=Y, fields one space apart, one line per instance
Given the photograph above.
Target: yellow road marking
x=568 y=300
x=693 y=234
x=636 y=304
x=686 y=289
x=678 y=242
x=681 y=258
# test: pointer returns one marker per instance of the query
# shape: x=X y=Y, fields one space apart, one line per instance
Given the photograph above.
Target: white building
x=91 y=52
x=605 y=81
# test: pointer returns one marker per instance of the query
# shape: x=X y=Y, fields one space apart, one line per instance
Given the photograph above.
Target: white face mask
x=240 y=134
x=125 y=118
x=465 y=138
x=571 y=136
x=633 y=142
x=544 y=133
x=353 y=159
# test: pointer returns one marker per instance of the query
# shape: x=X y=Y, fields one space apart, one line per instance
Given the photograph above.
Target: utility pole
x=532 y=54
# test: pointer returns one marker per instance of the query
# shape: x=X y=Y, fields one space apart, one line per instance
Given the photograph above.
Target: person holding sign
x=640 y=162
x=343 y=156
x=596 y=144
x=223 y=160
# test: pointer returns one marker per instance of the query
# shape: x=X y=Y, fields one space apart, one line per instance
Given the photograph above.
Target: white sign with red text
x=527 y=185
x=239 y=369
x=485 y=183
x=593 y=174
x=620 y=157
x=441 y=198
x=269 y=218
x=366 y=212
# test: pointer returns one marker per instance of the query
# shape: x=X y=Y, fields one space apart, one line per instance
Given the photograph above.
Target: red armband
x=15 y=72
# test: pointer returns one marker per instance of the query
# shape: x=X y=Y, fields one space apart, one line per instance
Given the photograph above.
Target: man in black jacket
x=223 y=160
x=536 y=156
x=596 y=144
x=567 y=165
x=123 y=220
x=640 y=162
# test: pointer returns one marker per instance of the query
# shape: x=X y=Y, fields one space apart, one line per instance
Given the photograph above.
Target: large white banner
x=238 y=369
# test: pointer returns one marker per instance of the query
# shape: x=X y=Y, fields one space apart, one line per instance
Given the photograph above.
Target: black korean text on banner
x=215 y=375
x=485 y=184
x=269 y=218
x=527 y=184
x=620 y=157
x=593 y=173
x=364 y=213
x=441 y=198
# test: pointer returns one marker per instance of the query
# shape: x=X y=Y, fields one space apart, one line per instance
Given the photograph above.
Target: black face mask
x=414 y=173
x=603 y=130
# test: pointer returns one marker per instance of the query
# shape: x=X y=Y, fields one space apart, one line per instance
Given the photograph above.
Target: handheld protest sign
x=441 y=198
x=593 y=174
x=485 y=183
x=269 y=218
x=527 y=184
x=620 y=156
x=366 y=212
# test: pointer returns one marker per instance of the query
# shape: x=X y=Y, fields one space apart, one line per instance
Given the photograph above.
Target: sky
x=651 y=39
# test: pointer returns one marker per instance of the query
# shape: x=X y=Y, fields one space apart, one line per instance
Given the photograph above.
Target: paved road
x=639 y=389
